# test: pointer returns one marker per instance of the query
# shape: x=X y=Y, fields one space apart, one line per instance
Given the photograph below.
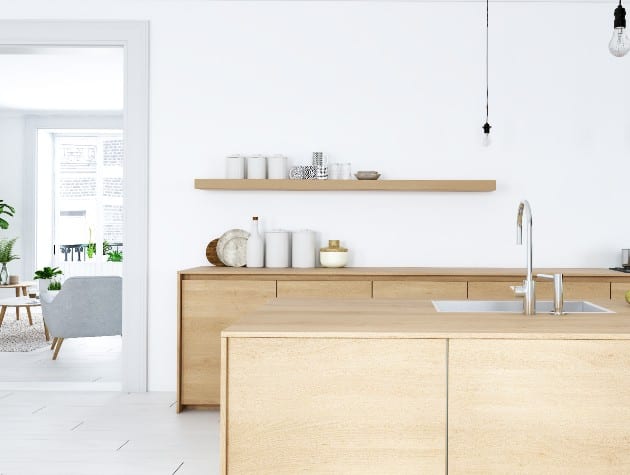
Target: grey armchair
x=84 y=307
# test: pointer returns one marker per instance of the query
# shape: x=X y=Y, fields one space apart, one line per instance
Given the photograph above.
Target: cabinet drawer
x=209 y=306
x=544 y=290
x=399 y=289
x=325 y=289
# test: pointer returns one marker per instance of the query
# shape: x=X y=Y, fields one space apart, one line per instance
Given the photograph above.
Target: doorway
x=132 y=38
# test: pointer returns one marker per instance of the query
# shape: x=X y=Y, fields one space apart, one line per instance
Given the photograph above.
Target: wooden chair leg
x=17 y=313
x=46 y=334
x=30 y=318
x=54 y=343
x=57 y=348
x=3 y=310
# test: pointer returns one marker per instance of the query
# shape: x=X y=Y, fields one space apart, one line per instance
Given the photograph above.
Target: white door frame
x=133 y=36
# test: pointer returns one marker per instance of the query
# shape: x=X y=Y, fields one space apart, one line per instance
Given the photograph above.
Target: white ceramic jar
x=334 y=255
x=235 y=167
x=256 y=167
x=303 y=249
x=277 y=167
x=277 y=250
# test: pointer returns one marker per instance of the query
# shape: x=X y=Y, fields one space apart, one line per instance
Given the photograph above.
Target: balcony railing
x=78 y=252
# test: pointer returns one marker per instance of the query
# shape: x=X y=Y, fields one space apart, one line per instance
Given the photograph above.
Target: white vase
x=303 y=249
x=255 y=246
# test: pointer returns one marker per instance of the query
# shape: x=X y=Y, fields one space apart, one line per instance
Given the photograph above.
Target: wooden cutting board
x=211 y=253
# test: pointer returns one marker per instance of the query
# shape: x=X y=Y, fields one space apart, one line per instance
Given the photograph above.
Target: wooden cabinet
x=334 y=289
x=425 y=290
x=538 y=406
x=207 y=307
x=618 y=290
x=334 y=405
x=211 y=298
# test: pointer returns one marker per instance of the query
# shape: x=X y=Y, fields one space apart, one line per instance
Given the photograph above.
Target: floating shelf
x=347 y=185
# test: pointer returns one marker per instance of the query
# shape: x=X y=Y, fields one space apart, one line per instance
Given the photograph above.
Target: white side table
x=24 y=302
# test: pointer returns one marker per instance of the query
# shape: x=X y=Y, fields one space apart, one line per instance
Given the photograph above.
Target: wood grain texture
x=336 y=406
x=618 y=290
x=350 y=185
x=208 y=306
x=211 y=253
x=492 y=274
x=524 y=407
x=375 y=318
x=322 y=289
x=544 y=290
x=397 y=289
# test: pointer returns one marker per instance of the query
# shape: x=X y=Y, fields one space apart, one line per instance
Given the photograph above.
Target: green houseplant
x=54 y=285
x=48 y=278
x=6 y=256
x=8 y=210
x=48 y=273
x=114 y=256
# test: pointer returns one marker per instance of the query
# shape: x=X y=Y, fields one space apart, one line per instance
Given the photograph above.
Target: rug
x=18 y=335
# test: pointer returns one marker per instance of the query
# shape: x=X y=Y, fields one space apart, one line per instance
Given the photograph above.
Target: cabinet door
x=340 y=405
x=618 y=290
x=426 y=290
x=538 y=406
x=336 y=289
x=209 y=306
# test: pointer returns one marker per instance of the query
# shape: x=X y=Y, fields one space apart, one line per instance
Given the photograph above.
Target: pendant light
x=486 y=127
x=619 y=43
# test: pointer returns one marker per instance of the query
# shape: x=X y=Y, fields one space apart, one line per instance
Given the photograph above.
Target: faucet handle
x=558 y=291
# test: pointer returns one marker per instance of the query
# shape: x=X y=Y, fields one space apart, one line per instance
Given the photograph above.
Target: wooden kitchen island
x=393 y=387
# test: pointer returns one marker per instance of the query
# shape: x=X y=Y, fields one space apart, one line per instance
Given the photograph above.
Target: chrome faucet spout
x=527 y=290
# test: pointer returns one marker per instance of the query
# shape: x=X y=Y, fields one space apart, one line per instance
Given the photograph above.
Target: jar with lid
x=334 y=255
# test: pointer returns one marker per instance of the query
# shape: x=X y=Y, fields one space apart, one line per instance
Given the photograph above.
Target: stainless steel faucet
x=528 y=289
x=558 y=292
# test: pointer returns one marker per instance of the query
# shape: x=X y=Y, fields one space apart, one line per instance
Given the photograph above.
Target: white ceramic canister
x=235 y=167
x=256 y=167
x=277 y=167
x=277 y=249
x=303 y=249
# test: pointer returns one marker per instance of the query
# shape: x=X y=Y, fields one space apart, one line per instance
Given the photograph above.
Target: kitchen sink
x=514 y=306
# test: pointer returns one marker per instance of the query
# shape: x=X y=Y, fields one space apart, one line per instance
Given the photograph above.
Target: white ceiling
x=61 y=78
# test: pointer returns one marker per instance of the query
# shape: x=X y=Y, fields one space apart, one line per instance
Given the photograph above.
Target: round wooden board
x=211 y=253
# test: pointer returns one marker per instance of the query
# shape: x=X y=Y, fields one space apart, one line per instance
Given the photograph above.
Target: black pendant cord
x=487 y=55
x=486 y=126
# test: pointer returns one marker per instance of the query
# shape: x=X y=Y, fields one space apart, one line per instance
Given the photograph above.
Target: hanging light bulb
x=486 y=134
x=619 y=43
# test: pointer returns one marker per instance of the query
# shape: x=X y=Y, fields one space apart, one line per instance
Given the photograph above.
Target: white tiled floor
x=82 y=364
x=93 y=433
x=65 y=417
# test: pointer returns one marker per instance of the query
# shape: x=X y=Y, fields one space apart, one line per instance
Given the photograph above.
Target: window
x=86 y=192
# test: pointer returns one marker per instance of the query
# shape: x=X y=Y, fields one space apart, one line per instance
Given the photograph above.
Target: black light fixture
x=619 y=43
x=486 y=127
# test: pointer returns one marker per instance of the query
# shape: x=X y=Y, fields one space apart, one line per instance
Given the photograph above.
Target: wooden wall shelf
x=347 y=185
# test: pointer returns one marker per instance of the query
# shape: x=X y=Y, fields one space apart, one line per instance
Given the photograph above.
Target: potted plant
x=114 y=256
x=8 y=210
x=6 y=255
x=47 y=276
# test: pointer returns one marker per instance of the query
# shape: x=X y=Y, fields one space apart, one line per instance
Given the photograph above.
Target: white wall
x=11 y=154
x=393 y=86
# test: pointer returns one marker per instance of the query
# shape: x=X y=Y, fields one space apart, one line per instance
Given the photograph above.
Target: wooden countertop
x=301 y=318
x=440 y=272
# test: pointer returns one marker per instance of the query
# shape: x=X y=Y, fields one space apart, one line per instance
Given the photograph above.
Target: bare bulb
x=619 y=43
x=486 y=140
x=486 y=134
